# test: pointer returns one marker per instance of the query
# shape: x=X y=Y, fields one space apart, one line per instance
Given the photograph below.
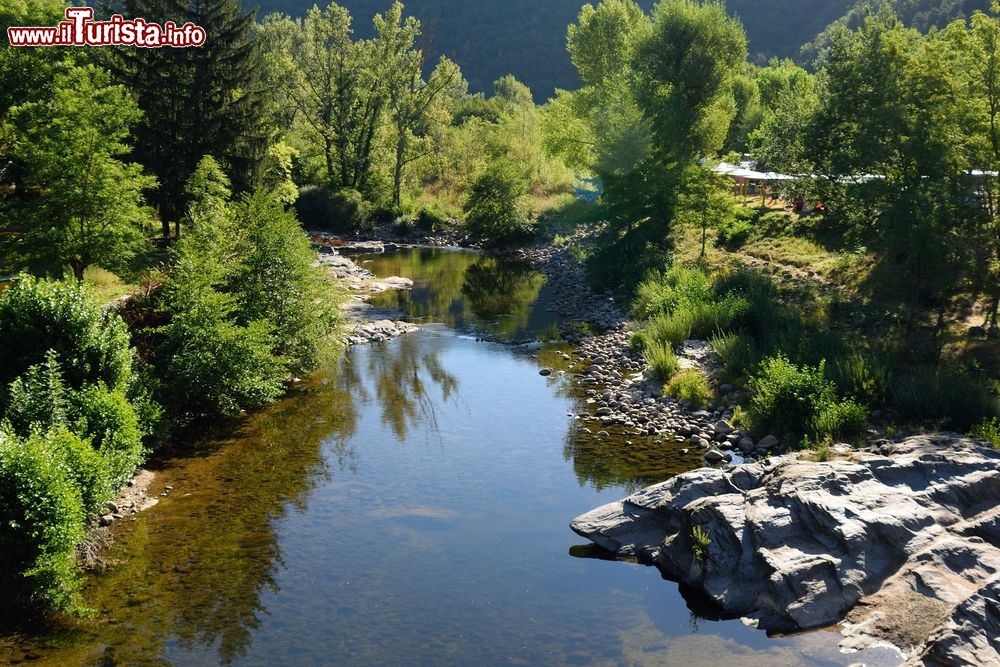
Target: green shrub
x=339 y=211
x=700 y=542
x=736 y=352
x=37 y=400
x=691 y=386
x=793 y=402
x=212 y=366
x=989 y=430
x=275 y=281
x=41 y=522
x=112 y=425
x=735 y=232
x=37 y=316
x=866 y=377
x=494 y=210
x=431 y=218
x=946 y=397
x=663 y=293
x=84 y=467
x=661 y=360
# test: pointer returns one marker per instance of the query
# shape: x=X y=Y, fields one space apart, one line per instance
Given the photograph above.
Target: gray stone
x=715 y=456
x=769 y=442
x=545 y=372
x=902 y=538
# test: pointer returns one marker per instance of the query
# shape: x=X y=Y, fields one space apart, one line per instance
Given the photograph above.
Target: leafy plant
x=661 y=360
x=989 y=430
x=691 y=386
x=700 y=542
x=494 y=210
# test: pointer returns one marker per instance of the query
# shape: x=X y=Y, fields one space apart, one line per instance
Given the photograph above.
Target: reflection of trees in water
x=402 y=374
x=611 y=462
x=461 y=289
x=502 y=294
x=192 y=570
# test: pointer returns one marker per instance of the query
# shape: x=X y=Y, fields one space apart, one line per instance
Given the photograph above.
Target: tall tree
x=83 y=205
x=197 y=101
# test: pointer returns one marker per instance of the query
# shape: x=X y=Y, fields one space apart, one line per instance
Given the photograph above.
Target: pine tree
x=197 y=101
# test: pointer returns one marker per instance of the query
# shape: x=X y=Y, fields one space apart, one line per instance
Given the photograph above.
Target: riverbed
x=407 y=506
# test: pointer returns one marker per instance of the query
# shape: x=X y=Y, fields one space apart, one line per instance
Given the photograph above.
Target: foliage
x=84 y=204
x=37 y=316
x=665 y=292
x=41 y=521
x=792 y=401
x=245 y=306
x=661 y=360
x=737 y=353
x=112 y=425
x=989 y=430
x=950 y=397
x=214 y=104
x=691 y=386
x=700 y=542
x=494 y=211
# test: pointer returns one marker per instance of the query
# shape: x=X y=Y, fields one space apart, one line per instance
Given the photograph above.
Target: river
x=407 y=507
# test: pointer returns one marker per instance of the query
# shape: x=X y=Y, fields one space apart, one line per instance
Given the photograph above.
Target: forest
x=153 y=208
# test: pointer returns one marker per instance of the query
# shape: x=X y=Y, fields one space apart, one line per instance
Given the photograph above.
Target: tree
x=685 y=70
x=197 y=101
x=494 y=210
x=83 y=205
x=706 y=201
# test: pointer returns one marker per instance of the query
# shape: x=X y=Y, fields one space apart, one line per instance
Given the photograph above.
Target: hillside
x=491 y=38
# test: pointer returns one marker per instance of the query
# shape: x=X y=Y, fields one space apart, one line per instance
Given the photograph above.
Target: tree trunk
x=397 y=176
x=78 y=267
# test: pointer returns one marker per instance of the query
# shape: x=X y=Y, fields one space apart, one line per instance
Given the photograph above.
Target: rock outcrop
x=901 y=541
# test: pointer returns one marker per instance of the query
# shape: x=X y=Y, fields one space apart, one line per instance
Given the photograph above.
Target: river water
x=407 y=507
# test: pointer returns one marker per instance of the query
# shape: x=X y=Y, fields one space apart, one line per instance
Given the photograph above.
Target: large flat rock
x=901 y=541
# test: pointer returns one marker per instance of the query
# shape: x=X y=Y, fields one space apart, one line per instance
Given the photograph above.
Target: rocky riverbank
x=364 y=324
x=901 y=540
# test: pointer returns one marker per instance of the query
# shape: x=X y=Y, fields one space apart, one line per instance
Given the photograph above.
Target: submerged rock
x=913 y=526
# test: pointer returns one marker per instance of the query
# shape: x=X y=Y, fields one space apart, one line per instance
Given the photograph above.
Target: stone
x=768 y=442
x=106 y=520
x=723 y=428
x=746 y=445
x=545 y=372
x=714 y=456
x=900 y=541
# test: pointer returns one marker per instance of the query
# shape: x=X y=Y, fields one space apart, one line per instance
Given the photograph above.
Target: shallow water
x=409 y=506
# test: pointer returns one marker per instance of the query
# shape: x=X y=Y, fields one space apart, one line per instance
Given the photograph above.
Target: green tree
x=82 y=204
x=706 y=201
x=685 y=72
x=495 y=209
x=197 y=101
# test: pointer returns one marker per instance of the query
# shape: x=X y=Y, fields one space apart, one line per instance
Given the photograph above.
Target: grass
x=989 y=430
x=700 y=542
x=661 y=360
x=691 y=386
x=104 y=286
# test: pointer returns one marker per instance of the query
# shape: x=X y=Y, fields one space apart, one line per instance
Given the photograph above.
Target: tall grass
x=661 y=360
x=946 y=396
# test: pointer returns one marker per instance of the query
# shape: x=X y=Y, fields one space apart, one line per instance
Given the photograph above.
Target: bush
x=944 y=397
x=691 y=386
x=736 y=352
x=37 y=400
x=664 y=292
x=661 y=360
x=792 y=402
x=339 y=211
x=431 y=218
x=494 y=211
x=85 y=468
x=865 y=377
x=989 y=430
x=275 y=281
x=37 y=316
x=112 y=425
x=735 y=232
x=41 y=522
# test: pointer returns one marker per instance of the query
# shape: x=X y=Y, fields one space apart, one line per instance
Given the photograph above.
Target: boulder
x=901 y=540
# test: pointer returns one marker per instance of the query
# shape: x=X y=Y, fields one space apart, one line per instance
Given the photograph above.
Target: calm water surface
x=408 y=507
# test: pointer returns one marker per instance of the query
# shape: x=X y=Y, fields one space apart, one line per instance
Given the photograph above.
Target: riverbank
x=899 y=542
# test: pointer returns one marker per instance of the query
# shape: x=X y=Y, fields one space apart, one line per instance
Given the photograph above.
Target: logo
x=80 y=29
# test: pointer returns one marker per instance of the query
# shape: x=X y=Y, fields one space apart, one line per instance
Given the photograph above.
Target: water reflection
x=403 y=375
x=466 y=291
